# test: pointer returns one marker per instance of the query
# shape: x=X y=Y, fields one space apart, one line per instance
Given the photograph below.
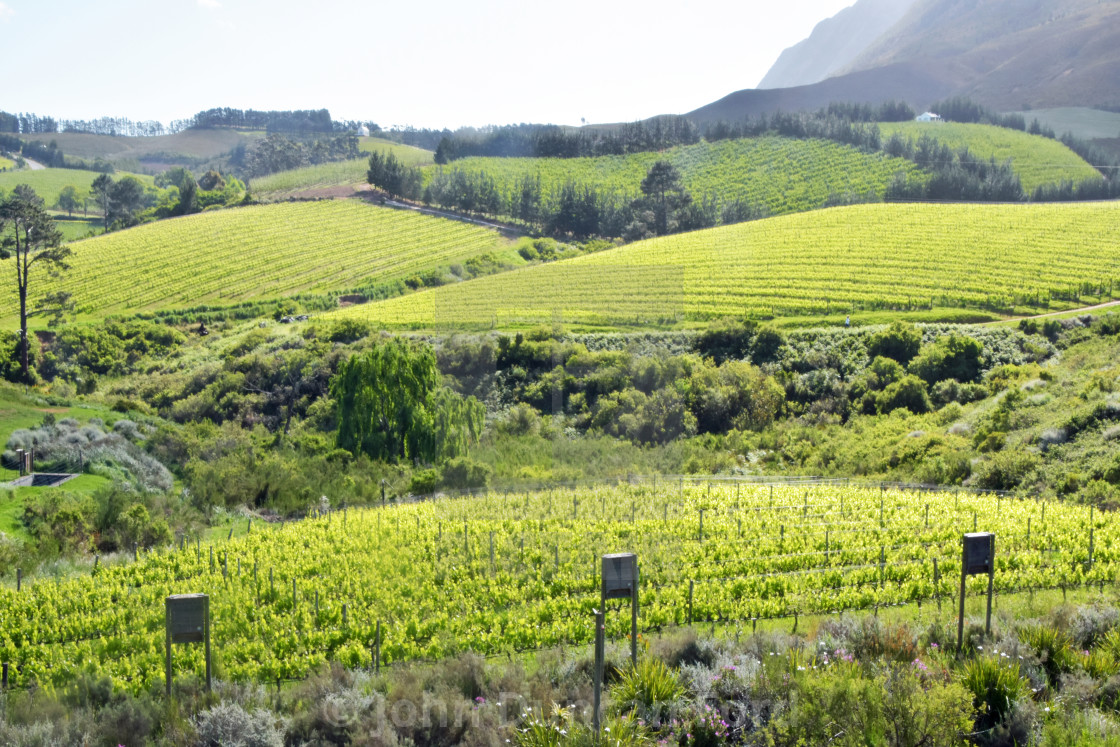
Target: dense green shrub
x=727 y=339
x=1005 y=470
x=899 y=342
x=951 y=357
x=463 y=473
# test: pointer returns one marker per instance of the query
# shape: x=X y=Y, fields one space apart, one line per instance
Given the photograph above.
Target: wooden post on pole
x=600 y=647
x=960 y=616
x=991 y=583
x=634 y=621
x=937 y=584
x=377 y=649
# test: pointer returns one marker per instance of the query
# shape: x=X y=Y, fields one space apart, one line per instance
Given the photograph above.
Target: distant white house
x=363 y=131
x=928 y=117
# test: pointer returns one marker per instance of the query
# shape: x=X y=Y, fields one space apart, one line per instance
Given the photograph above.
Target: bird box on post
x=620 y=575
x=978 y=556
x=978 y=553
x=188 y=621
x=620 y=581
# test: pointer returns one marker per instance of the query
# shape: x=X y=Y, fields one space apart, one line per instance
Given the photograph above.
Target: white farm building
x=928 y=117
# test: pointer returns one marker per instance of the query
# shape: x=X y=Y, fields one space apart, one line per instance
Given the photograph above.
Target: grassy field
x=6 y=163
x=47 y=183
x=406 y=154
x=286 y=184
x=258 y=253
x=1036 y=159
x=290 y=183
x=77 y=228
x=200 y=144
x=837 y=261
x=780 y=174
x=501 y=573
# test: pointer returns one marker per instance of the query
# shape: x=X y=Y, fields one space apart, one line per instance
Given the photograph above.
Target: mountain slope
x=1011 y=53
x=834 y=43
x=1006 y=54
x=903 y=81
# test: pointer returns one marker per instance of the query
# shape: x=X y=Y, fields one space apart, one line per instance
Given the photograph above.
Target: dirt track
x=1084 y=309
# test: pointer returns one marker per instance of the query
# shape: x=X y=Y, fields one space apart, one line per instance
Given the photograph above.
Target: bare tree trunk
x=21 y=270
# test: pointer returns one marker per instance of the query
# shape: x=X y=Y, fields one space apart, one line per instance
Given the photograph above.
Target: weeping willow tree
x=392 y=405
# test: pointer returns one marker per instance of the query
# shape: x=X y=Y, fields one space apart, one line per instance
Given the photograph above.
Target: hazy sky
x=429 y=64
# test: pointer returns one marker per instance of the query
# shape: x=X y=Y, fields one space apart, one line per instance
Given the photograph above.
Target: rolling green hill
x=837 y=261
x=287 y=184
x=259 y=252
x=191 y=144
x=406 y=154
x=782 y=174
x=1037 y=160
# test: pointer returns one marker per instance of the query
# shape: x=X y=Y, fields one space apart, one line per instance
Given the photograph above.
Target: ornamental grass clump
x=1054 y=650
x=650 y=691
x=995 y=685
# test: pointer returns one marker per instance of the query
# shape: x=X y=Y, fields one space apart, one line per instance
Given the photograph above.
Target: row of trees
x=277 y=152
x=551 y=141
x=577 y=210
x=120 y=201
x=296 y=121
x=127 y=201
x=956 y=174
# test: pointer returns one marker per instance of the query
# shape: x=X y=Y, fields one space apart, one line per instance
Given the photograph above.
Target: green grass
x=831 y=262
x=258 y=253
x=780 y=174
x=406 y=154
x=6 y=163
x=1083 y=122
x=1036 y=159
x=47 y=183
x=76 y=228
x=200 y=144
x=289 y=183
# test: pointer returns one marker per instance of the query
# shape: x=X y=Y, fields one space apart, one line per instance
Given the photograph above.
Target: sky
x=439 y=63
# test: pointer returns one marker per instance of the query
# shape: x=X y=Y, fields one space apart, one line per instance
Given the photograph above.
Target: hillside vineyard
x=843 y=260
x=505 y=572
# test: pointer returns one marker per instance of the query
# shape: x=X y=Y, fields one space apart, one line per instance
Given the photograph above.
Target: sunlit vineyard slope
x=258 y=253
x=1037 y=160
x=780 y=174
x=843 y=260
